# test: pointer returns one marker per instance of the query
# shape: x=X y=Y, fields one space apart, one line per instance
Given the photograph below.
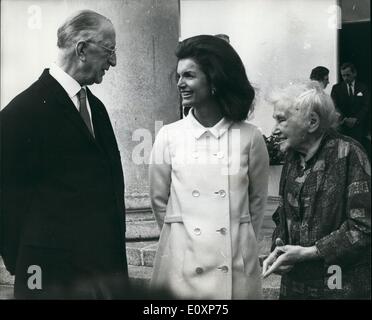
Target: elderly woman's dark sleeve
x=353 y=238
x=277 y=231
x=278 y=216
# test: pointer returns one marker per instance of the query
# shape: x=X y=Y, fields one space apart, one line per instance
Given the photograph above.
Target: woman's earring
x=213 y=91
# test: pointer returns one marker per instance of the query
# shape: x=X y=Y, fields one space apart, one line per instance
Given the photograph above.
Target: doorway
x=355 y=47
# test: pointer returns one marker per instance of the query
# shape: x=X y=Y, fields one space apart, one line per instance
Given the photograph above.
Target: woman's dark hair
x=225 y=73
x=318 y=73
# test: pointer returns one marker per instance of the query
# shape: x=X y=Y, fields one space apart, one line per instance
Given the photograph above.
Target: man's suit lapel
x=106 y=139
x=102 y=126
x=56 y=93
x=345 y=90
x=357 y=88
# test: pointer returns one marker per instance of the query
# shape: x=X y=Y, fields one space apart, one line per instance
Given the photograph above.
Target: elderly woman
x=208 y=180
x=323 y=223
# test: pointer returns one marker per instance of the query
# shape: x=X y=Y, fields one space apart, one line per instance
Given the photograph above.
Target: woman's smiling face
x=192 y=83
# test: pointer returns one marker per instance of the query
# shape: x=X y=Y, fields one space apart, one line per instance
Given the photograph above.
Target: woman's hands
x=284 y=257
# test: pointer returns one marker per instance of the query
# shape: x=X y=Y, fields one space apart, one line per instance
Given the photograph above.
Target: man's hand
x=283 y=258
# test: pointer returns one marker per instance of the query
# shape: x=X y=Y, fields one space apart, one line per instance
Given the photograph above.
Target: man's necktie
x=350 y=90
x=84 y=109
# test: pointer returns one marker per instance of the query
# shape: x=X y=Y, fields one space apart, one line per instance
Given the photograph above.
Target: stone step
x=148 y=229
x=141 y=253
x=6 y=292
x=141 y=224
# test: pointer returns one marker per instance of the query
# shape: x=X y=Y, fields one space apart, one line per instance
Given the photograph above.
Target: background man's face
x=347 y=75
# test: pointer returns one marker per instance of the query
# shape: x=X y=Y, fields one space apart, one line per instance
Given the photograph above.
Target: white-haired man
x=62 y=208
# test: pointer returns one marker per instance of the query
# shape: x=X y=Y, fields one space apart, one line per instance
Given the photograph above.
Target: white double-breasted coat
x=208 y=190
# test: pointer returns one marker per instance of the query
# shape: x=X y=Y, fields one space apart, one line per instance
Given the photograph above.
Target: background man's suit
x=62 y=199
x=355 y=106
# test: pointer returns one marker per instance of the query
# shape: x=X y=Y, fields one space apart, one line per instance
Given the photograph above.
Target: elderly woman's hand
x=283 y=258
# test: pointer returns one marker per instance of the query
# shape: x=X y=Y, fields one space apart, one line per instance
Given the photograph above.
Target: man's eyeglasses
x=111 y=51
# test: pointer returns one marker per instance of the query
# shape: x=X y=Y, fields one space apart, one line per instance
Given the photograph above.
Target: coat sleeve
x=258 y=174
x=20 y=162
x=280 y=230
x=160 y=176
x=353 y=238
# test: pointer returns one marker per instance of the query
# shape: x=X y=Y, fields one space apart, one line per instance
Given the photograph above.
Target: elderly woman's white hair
x=306 y=98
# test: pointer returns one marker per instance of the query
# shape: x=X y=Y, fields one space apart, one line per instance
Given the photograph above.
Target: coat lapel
x=357 y=88
x=345 y=90
x=99 y=123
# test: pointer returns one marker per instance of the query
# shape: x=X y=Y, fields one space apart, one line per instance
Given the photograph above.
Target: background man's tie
x=84 y=109
x=350 y=90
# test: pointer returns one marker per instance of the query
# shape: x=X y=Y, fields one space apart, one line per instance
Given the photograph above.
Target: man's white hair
x=83 y=25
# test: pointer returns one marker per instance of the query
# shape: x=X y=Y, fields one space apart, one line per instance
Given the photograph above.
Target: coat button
x=224 y=269
x=197 y=231
x=195 y=193
x=222 y=231
x=222 y=193
x=199 y=270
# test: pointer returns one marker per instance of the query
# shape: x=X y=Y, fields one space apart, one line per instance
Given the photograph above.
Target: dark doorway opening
x=355 y=47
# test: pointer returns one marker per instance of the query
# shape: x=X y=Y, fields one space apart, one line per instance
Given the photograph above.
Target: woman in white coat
x=208 y=180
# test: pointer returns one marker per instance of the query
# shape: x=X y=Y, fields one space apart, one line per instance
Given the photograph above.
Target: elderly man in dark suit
x=62 y=200
x=352 y=100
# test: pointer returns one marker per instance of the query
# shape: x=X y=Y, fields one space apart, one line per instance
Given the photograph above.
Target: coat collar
x=199 y=130
x=69 y=84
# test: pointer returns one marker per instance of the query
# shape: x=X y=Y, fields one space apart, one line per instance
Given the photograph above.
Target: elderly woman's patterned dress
x=327 y=203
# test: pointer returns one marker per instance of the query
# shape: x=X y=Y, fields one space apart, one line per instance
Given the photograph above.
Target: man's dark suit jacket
x=62 y=196
x=357 y=106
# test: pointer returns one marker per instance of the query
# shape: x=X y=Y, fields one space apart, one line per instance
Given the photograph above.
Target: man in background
x=352 y=101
